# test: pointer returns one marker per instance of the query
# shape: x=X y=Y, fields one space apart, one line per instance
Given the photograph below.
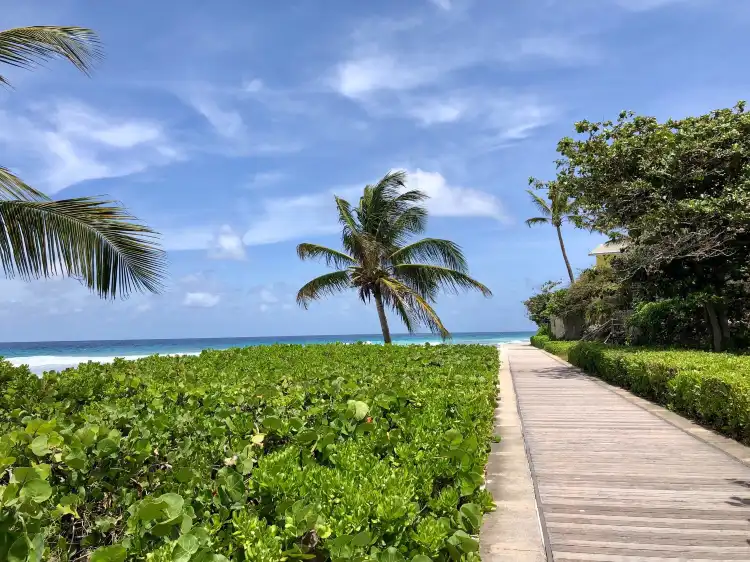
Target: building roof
x=609 y=248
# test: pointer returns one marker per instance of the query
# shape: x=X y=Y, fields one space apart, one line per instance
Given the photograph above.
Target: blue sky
x=227 y=126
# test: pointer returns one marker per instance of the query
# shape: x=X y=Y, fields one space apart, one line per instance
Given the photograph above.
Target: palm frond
x=27 y=47
x=333 y=258
x=433 y=277
x=443 y=252
x=542 y=206
x=411 y=222
x=419 y=309
x=96 y=241
x=13 y=187
x=402 y=307
x=328 y=284
x=537 y=220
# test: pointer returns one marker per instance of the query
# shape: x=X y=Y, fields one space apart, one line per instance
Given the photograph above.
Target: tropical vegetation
x=382 y=263
x=327 y=452
x=713 y=389
x=677 y=191
x=94 y=240
x=554 y=209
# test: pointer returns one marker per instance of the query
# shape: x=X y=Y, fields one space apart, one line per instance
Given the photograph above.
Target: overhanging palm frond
x=428 y=277
x=28 y=46
x=328 y=284
x=96 y=241
x=542 y=206
x=419 y=309
x=443 y=252
x=536 y=220
x=411 y=222
x=13 y=187
x=333 y=258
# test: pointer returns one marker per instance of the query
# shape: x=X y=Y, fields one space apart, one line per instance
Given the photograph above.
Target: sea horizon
x=56 y=355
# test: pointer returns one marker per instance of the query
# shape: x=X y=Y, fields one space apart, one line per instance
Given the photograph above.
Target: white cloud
x=201 y=300
x=292 y=218
x=226 y=123
x=296 y=218
x=442 y=4
x=454 y=201
x=253 y=86
x=645 y=5
x=264 y=307
x=360 y=76
x=71 y=142
x=265 y=179
x=268 y=297
x=226 y=245
x=190 y=238
x=437 y=111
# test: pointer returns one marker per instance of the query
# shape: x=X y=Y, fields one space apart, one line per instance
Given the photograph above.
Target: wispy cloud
x=442 y=4
x=201 y=300
x=69 y=142
x=646 y=5
x=295 y=218
x=227 y=245
x=265 y=179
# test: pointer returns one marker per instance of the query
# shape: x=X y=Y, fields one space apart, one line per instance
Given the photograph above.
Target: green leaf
x=453 y=437
x=184 y=475
x=107 y=446
x=390 y=554
x=232 y=483
x=39 y=446
x=75 y=459
x=189 y=543
x=361 y=539
x=151 y=509
x=357 y=410
x=421 y=558
x=472 y=513
x=37 y=491
x=307 y=436
x=273 y=423
x=258 y=438
x=174 y=503
x=114 y=553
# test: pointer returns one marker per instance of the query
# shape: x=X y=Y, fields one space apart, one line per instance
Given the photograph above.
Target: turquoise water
x=44 y=356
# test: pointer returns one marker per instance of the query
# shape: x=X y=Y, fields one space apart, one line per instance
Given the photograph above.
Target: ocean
x=57 y=355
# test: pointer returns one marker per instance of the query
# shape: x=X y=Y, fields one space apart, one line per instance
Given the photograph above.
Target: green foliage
x=713 y=389
x=669 y=322
x=678 y=190
x=332 y=452
x=95 y=241
x=537 y=305
x=382 y=263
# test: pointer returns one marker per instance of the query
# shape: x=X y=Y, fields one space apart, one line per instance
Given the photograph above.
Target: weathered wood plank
x=618 y=483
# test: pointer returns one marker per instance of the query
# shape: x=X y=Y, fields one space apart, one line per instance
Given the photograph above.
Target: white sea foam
x=40 y=363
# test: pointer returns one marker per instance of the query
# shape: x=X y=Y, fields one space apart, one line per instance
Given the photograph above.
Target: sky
x=228 y=127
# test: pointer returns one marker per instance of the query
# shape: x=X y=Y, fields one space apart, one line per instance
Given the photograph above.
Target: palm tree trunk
x=383 y=319
x=565 y=254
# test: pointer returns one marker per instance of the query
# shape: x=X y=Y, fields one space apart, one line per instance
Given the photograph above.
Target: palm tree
x=381 y=263
x=93 y=240
x=559 y=209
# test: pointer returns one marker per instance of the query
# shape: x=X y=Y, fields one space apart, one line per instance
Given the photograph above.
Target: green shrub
x=711 y=388
x=340 y=452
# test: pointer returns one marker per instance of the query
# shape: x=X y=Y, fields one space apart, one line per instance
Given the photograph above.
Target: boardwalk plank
x=616 y=482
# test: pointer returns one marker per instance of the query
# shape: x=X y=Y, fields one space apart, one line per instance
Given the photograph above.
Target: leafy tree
x=381 y=262
x=94 y=240
x=558 y=209
x=679 y=190
x=536 y=305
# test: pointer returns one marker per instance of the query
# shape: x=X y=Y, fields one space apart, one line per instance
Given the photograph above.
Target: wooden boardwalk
x=616 y=483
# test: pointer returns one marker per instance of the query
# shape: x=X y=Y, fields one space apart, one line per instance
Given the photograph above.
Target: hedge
x=711 y=388
x=325 y=452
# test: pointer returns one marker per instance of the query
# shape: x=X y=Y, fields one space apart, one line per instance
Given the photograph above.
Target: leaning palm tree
x=381 y=263
x=93 y=240
x=558 y=209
